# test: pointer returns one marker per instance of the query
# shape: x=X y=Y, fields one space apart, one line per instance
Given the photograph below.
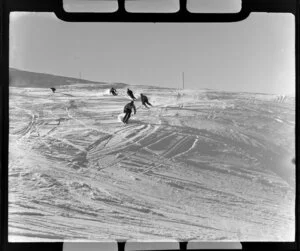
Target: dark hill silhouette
x=19 y=78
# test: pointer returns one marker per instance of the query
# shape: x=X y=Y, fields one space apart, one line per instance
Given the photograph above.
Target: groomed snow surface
x=199 y=164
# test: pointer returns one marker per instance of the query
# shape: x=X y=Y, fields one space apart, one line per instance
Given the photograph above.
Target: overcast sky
x=255 y=55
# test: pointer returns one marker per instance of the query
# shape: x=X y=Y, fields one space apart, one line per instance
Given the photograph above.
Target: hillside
x=19 y=78
x=204 y=165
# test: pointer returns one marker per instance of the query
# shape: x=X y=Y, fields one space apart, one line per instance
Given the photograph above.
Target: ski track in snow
x=197 y=165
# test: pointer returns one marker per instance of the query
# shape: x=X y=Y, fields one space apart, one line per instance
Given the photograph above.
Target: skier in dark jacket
x=113 y=91
x=145 y=101
x=130 y=94
x=127 y=110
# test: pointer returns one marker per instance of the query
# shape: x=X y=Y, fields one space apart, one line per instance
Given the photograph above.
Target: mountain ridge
x=21 y=78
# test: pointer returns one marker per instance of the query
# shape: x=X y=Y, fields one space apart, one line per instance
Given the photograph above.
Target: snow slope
x=203 y=164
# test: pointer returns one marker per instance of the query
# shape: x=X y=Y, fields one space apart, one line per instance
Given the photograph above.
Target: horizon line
x=120 y=82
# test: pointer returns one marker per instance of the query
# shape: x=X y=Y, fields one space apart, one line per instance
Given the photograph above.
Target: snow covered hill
x=199 y=164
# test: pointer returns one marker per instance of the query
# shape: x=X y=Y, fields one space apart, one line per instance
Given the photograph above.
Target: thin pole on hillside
x=183 y=80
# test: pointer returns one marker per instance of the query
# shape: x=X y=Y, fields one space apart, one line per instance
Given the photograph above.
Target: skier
x=145 y=101
x=130 y=94
x=113 y=91
x=53 y=89
x=127 y=110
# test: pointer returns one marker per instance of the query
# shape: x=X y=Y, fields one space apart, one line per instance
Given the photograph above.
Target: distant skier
x=145 y=101
x=130 y=94
x=113 y=91
x=53 y=89
x=127 y=110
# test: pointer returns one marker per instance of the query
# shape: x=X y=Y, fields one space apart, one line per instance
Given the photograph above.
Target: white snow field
x=200 y=164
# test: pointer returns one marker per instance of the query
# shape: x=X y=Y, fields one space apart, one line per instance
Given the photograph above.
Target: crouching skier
x=145 y=101
x=113 y=91
x=127 y=110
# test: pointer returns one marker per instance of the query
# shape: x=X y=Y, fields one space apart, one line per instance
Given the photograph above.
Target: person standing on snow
x=127 y=110
x=130 y=94
x=145 y=101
